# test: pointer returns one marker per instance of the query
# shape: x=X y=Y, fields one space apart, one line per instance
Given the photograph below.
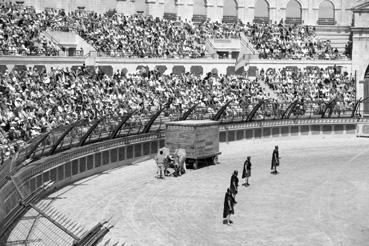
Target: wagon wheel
x=215 y=160
x=195 y=165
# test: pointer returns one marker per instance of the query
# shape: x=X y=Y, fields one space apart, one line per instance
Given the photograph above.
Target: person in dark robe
x=228 y=207
x=275 y=160
x=234 y=185
x=246 y=173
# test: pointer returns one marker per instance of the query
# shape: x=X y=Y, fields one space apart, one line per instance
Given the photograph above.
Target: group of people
x=35 y=101
x=313 y=86
x=230 y=195
x=20 y=32
x=294 y=42
x=113 y=34
x=164 y=161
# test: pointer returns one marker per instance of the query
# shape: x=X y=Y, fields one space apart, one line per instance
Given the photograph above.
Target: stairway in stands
x=339 y=35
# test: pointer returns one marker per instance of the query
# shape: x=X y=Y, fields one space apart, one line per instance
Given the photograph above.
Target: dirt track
x=320 y=197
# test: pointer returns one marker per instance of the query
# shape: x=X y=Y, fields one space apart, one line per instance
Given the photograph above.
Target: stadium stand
x=49 y=116
x=147 y=37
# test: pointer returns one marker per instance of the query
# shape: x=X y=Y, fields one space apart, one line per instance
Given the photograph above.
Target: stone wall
x=221 y=65
x=245 y=9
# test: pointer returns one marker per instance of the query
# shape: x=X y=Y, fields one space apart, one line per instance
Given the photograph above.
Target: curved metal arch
x=287 y=114
x=254 y=110
x=34 y=148
x=121 y=124
x=151 y=121
x=88 y=133
x=329 y=106
x=61 y=138
x=189 y=112
x=217 y=116
x=357 y=106
x=28 y=151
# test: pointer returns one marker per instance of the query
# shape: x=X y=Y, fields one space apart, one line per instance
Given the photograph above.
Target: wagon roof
x=193 y=123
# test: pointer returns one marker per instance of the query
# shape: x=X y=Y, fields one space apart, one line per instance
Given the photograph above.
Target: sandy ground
x=320 y=197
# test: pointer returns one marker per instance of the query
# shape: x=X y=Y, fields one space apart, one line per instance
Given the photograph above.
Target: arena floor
x=320 y=197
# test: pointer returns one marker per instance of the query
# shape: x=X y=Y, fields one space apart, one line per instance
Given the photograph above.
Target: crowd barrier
x=131 y=64
x=67 y=167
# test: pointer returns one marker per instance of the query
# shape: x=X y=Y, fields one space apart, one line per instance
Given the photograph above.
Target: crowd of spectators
x=143 y=36
x=20 y=33
x=313 y=86
x=294 y=42
x=33 y=102
x=113 y=34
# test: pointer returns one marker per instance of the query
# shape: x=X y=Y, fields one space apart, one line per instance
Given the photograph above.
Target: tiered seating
x=114 y=34
x=290 y=42
x=313 y=86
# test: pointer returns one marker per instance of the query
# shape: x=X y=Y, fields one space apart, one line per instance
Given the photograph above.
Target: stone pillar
x=131 y=8
x=153 y=8
x=360 y=51
x=160 y=8
x=190 y=9
x=219 y=16
x=120 y=6
x=305 y=16
x=360 y=57
x=185 y=9
x=250 y=14
x=100 y=7
x=62 y=5
x=211 y=10
x=281 y=14
x=241 y=11
x=273 y=15
x=37 y=4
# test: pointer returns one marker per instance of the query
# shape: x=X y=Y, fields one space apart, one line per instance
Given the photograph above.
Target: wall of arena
x=131 y=64
x=67 y=167
x=309 y=11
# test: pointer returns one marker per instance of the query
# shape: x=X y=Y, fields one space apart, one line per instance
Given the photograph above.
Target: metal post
x=55 y=223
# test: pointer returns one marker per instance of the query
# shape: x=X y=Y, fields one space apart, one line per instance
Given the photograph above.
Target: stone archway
x=199 y=11
x=262 y=11
x=294 y=12
x=230 y=11
x=326 y=15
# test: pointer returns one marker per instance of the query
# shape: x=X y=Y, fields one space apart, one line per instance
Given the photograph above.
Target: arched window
x=140 y=6
x=261 y=11
x=229 y=11
x=293 y=12
x=199 y=11
x=326 y=13
x=170 y=10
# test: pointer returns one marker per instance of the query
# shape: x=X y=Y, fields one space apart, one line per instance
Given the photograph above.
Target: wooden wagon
x=200 y=139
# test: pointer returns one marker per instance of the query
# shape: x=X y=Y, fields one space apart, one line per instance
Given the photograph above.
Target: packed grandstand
x=34 y=101
x=45 y=98
x=115 y=34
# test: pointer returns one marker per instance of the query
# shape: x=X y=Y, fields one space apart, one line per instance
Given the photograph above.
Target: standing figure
x=160 y=158
x=275 y=161
x=234 y=185
x=228 y=207
x=181 y=153
x=246 y=173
